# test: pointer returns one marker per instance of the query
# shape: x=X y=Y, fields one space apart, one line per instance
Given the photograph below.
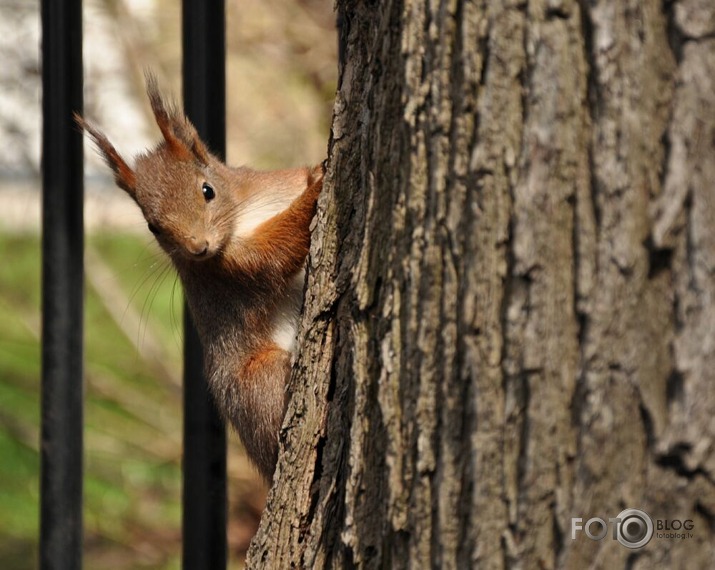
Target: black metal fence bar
x=204 y=496
x=62 y=287
x=204 y=522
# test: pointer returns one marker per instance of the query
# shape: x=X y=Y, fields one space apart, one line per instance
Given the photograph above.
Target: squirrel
x=238 y=239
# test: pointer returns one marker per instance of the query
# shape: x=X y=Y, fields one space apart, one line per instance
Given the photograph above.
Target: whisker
x=153 y=269
x=176 y=328
x=146 y=305
x=156 y=289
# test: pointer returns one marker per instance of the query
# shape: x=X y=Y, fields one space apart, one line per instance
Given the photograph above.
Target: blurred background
x=281 y=77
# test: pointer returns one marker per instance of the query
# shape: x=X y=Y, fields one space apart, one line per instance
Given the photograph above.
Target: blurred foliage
x=281 y=74
x=132 y=415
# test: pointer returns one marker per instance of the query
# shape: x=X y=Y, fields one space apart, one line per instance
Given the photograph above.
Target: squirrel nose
x=198 y=247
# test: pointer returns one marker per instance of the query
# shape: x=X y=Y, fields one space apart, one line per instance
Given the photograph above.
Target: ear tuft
x=165 y=116
x=123 y=175
x=180 y=135
x=196 y=145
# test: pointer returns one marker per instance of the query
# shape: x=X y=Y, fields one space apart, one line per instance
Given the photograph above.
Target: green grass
x=132 y=412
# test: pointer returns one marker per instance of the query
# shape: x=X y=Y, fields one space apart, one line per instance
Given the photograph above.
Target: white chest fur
x=285 y=319
x=258 y=210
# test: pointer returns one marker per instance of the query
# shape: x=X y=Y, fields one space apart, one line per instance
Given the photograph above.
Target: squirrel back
x=238 y=239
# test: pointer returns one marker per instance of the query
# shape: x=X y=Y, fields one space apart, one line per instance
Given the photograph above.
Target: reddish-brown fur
x=238 y=278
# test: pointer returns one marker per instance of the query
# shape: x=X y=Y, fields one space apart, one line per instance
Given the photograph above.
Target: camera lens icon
x=635 y=529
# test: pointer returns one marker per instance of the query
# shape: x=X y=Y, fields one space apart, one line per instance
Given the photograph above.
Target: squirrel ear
x=180 y=135
x=196 y=145
x=123 y=175
x=164 y=118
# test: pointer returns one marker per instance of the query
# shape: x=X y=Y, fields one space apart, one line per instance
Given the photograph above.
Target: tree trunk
x=510 y=314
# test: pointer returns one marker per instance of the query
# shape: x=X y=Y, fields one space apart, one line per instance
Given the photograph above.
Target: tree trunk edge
x=616 y=283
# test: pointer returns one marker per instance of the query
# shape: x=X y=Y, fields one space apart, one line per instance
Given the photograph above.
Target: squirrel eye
x=153 y=229
x=209 y=193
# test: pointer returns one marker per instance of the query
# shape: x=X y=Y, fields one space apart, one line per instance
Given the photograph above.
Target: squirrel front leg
x=278 y=247
x=254 y=395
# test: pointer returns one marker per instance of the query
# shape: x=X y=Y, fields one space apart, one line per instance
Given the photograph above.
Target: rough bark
x=510 y=314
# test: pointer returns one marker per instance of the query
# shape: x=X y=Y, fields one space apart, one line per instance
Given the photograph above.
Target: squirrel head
x=181 y=188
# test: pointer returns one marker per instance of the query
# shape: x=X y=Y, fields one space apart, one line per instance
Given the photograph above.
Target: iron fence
x=204 y=463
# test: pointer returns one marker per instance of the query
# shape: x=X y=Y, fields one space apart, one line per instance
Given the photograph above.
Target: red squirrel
x=238 y=239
